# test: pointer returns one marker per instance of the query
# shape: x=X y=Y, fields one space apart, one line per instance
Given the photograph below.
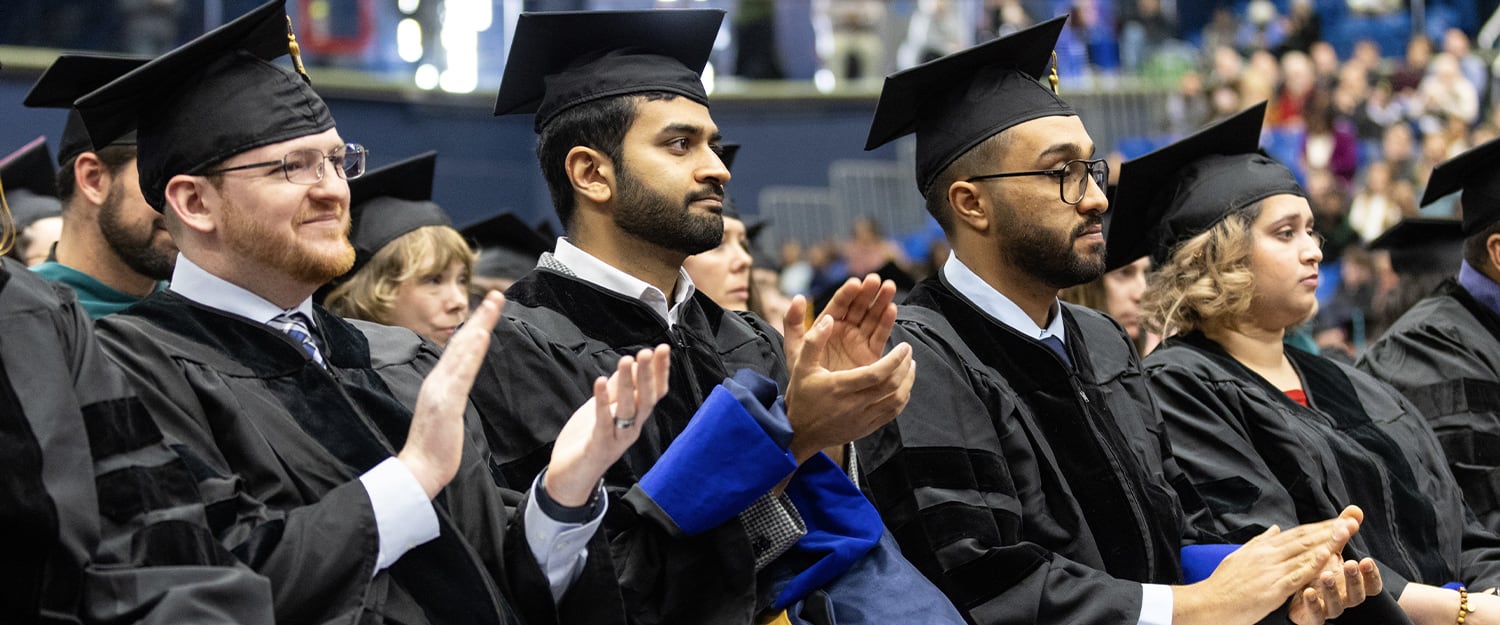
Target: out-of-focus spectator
x=1374 y=7
x=1227 y=66
x=1004 y=17
x=1374 y=208
x=1325 y=62
x=1414 y=68
x=1187 y=108
x=796 y=271
x=1297 y=83
x=1262 y=28
x=936 y=29
x=868 y=251
x=849 y=37
x=756 y=55
x=1220 y=31
x=1330 y=207
x=1445 y=92
x=1303 y=28
x=1367 y=55
x=1144 y=28
x=1398 y=149
x=1330 y=142
x=1223 y=102
x=1456 y=44
x=149 y=27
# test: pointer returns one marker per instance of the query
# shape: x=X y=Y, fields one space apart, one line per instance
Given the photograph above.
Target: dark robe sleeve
x=314 y=554
x=155 y=560
x=941 y=476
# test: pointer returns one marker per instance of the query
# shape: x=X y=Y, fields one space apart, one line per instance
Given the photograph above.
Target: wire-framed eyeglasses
x=1072 y=177
x=306 y=166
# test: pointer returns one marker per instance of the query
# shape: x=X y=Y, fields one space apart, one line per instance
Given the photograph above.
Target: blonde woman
x=411 y=268
x=1274 y=436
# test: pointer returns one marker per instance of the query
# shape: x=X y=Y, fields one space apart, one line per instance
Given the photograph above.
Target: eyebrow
x=1066 y=149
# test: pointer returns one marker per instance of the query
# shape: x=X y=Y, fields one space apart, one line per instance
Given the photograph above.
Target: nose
x=332 y=187
x=739 y=259
x=1094 y=199
x=456 y=298
x=713 y=169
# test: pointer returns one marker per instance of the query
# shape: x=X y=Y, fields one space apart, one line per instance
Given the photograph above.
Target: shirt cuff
x=1156 y=605
x=404 y=517
x=560 y=548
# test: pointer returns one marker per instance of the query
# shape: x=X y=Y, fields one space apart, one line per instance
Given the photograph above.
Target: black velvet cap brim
x=30 y=168
x=391 y=201
x=1477 y=173
x=1420 y=245
x=73 y=76
x=562 y=59
x=204 y=102
x=956 y=102
x=1179 y=191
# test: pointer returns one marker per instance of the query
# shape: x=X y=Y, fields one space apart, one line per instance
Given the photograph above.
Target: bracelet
x=1464 y=609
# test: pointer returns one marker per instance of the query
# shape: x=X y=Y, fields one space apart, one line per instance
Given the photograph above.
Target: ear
x=194 y=202
x=91 y=178
x=1492 y=246
x=591 y=173
x=969 y=206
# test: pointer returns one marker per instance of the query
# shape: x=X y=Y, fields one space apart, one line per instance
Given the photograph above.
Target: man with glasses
x=1029 y=477
x=342 y=461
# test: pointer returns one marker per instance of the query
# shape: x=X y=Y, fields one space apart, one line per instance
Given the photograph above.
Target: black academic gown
x=1258 y=458
x=277 y=444
x=559 y=334
x=1444 y=355
x=1029 y=491
x=101 y=522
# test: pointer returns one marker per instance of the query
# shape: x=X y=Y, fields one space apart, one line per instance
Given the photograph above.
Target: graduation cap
x=1423 y=245
x=1477 y=173
x=389 y=202
x=73 y=76
x=1179 y=191
x=563 y=59
x=208 y=100
x=508 y=248
x=956 y=102
x=29 y=182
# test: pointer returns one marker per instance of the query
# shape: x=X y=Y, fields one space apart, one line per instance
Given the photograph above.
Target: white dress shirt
x=590 y=269
x=404 y=517
x=1156 y=599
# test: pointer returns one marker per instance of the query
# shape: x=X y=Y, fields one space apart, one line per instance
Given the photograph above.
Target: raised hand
x=435 y=441
x=606 y=425
x=863 y=313
x=1341 y=585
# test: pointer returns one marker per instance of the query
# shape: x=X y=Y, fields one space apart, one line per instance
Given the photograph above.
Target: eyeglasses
x=1072 y=177
x=306 y=166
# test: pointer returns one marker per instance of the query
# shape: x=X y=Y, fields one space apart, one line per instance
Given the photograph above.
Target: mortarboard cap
x=1477 y=173
x=389 y=202
x=508 y=248
x=563 y=59
x=956 y=102
x=1423 y=245
x=29 y=181
x=208 y=100
x=73 y=76
x=1173 y=194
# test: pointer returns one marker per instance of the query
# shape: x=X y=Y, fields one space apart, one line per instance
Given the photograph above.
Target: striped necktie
x=295 y=325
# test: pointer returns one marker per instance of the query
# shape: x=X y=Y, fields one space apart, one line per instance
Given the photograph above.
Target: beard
x=134 y=243
x=1049 y=255
x=657 y=219
x=298 y=260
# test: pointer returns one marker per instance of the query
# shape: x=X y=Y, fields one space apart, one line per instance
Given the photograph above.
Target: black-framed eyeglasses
x=1072 y=177
x=306 y=166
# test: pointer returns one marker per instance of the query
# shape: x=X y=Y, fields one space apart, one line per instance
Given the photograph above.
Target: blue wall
x=486 y=164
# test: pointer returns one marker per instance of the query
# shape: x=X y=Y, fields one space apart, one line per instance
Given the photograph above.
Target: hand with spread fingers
x=606 y=425
x=435 y=440
x=1343 y=584
x=841 y=387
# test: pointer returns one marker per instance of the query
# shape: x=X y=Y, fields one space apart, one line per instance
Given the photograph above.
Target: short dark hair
x=1476 y=247
x=600 y=125
x=969 y=164
x=114 y=157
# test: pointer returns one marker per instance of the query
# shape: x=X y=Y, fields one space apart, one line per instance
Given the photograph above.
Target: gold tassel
x=1052 y=78
x=296 y=50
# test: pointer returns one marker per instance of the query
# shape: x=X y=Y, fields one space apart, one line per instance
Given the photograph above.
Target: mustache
x=1096 y=220
x=710 y=191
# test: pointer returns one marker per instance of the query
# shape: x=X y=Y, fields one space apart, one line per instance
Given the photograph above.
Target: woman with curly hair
x=1268 y=435
x=411 y=268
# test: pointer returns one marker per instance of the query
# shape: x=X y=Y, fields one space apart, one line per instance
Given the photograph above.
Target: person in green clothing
x=114 y=248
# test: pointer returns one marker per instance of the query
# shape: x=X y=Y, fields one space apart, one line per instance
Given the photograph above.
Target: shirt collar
x=997 y=305
x=197 y=284
x=589 y=268
x=1480 y=286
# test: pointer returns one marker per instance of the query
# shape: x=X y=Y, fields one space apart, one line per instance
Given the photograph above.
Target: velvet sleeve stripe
x=119 y=426
x=136 y=490
x=1459 y=396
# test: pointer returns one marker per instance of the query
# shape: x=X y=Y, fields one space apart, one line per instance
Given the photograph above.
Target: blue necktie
x=295 y=325
x=1056 y=345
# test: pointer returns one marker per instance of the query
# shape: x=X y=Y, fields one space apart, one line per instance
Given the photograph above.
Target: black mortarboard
x=389 y=202
x=29 y=180
x=1477 y=173
x=563 y=59
x=1173 y=194
x=956 y=102
x=73 y=76
x=214 y=97
x=1423 y=245
x=508 y=248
